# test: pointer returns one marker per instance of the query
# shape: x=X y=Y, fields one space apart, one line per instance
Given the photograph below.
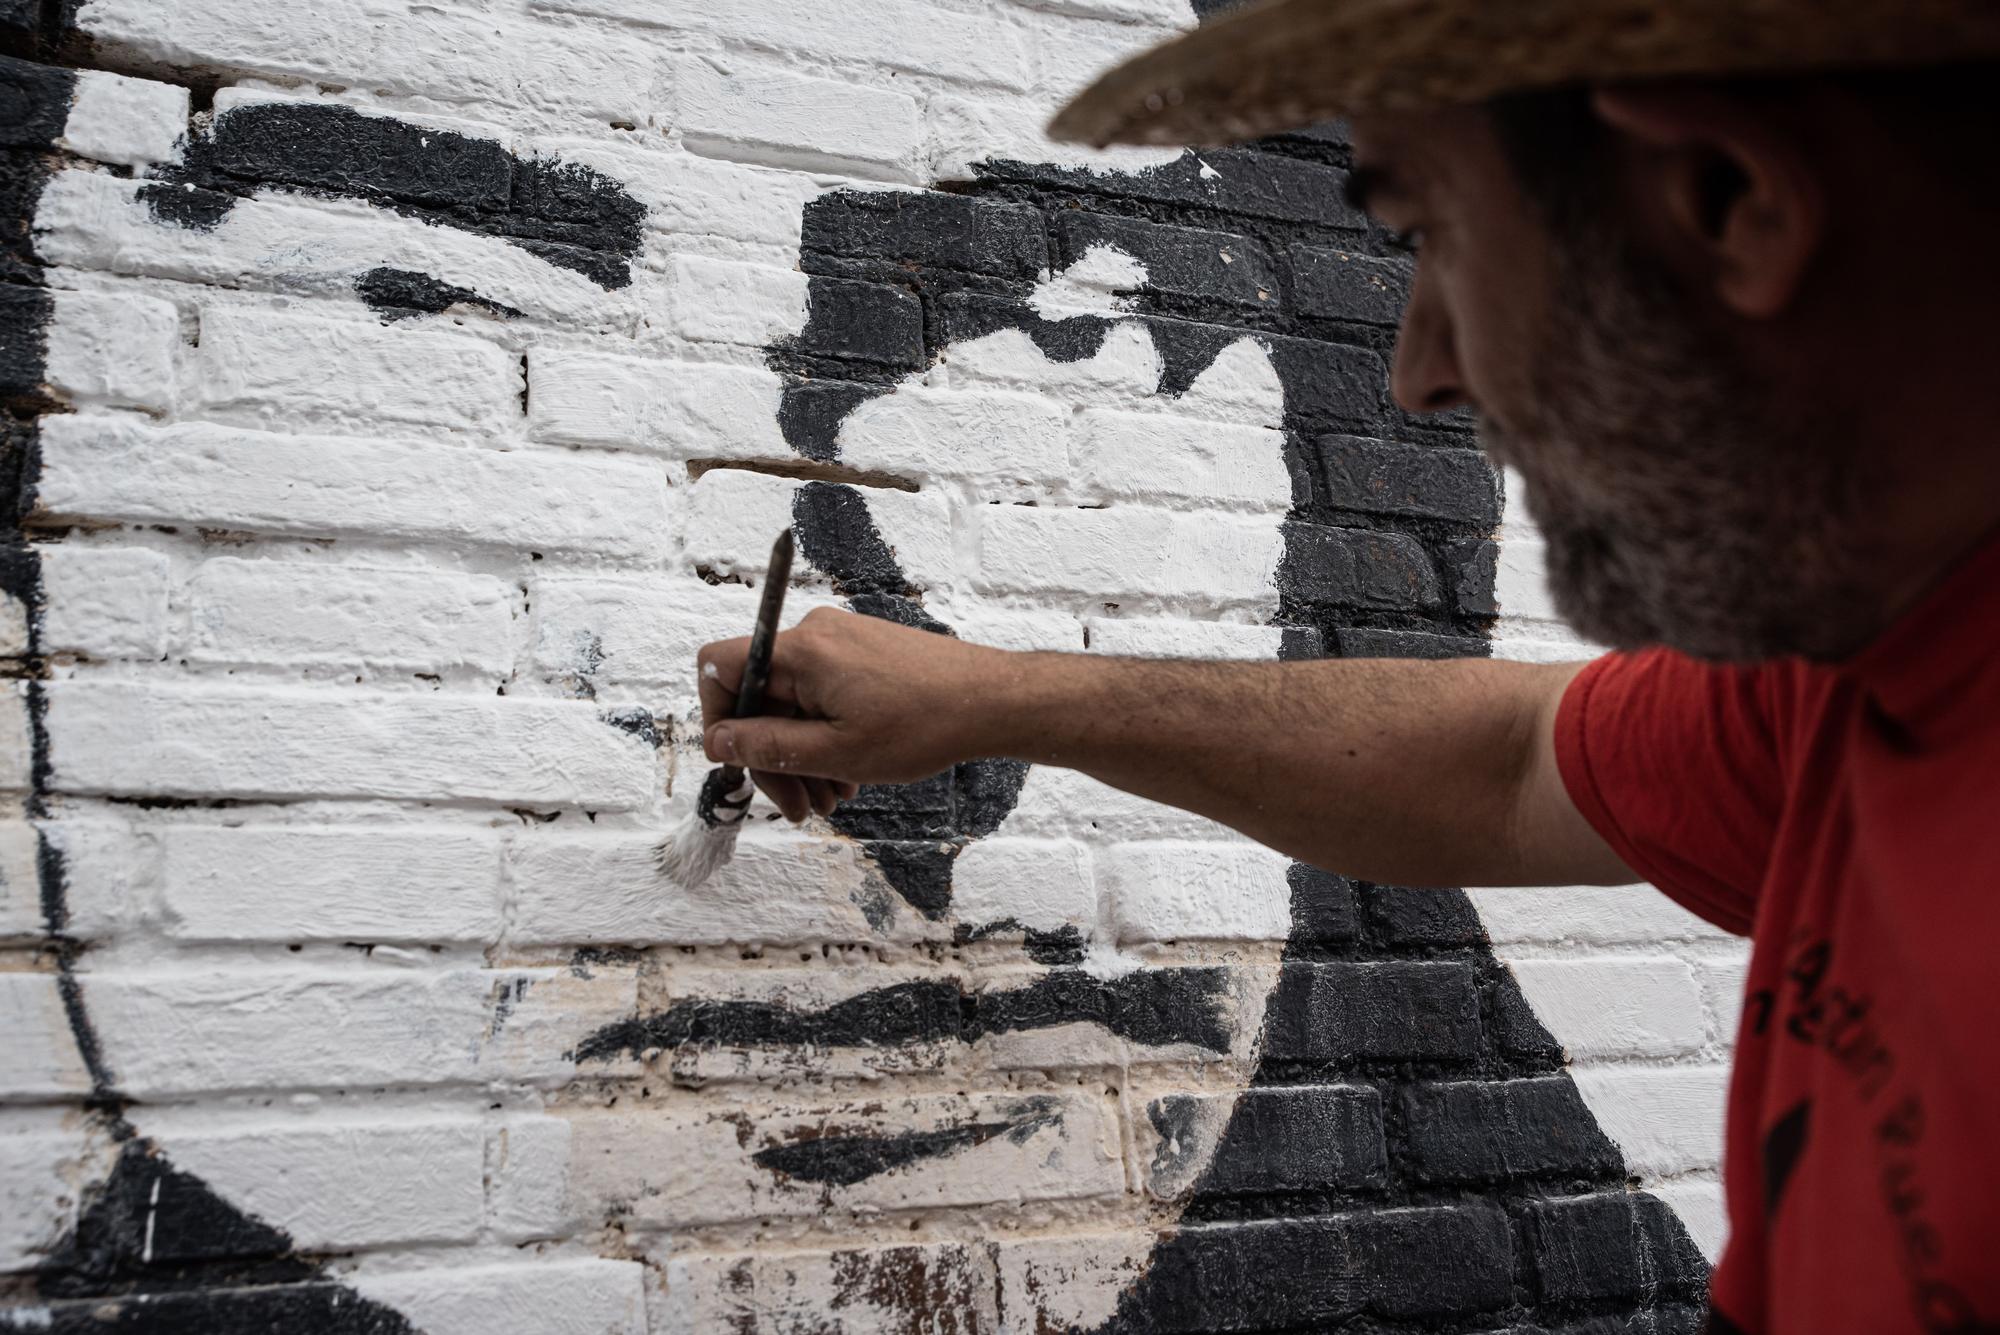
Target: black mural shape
x=400 y=294
x=154 y=1249
x=562 y=212
x=843 y=1160
x=1405 y=1002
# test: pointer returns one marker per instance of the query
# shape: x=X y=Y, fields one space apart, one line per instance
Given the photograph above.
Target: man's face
x=1685 y=500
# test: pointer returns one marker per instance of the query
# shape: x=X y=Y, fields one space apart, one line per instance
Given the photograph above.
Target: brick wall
x=398 y=394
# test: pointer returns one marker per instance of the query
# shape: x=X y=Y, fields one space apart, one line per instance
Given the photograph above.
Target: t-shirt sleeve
x=1676 y=763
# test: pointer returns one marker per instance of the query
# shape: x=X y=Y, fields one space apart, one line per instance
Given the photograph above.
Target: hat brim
x=1282 y=64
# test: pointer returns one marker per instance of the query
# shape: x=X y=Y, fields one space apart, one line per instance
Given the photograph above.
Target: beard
x=1679 y=505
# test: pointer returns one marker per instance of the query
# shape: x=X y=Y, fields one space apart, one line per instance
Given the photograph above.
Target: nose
x=1426 y=377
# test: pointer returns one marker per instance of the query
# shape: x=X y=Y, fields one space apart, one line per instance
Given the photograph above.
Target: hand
x=852 y=700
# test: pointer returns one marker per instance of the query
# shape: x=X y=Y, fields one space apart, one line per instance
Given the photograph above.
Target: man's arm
x=1410 y=773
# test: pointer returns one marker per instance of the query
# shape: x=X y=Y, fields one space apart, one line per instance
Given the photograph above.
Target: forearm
x=1390 y=770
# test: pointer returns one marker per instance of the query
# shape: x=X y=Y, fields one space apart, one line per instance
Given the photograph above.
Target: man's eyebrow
x=1364 y=184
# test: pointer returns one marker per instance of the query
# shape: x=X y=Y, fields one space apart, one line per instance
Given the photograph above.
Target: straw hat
x=1281 y=64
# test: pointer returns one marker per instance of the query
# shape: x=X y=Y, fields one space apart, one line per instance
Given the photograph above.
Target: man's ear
x=1736 y=191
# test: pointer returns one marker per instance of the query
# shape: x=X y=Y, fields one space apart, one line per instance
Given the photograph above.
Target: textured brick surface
x=400 y=395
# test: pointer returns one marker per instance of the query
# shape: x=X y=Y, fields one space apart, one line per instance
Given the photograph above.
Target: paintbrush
x=707 y=837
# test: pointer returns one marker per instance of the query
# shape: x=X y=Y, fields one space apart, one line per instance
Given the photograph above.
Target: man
x=1656 y=258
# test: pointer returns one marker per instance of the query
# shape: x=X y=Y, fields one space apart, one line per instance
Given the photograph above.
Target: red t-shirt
x=1848 y=820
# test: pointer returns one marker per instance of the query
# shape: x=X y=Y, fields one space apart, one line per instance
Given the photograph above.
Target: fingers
x=787 y=793
x=798 y=746
x=719 y=669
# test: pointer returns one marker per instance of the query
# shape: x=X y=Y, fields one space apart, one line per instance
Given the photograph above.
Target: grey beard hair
x=1679 y=506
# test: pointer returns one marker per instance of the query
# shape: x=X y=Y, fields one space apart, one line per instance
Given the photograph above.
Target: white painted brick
x=292 y=245
x=960 y=133
x=1615 y=1006
x=1722 y=993
x=1125 y=368
x=190 y=1032
x=17 y=739
x=704 y=196
x=1068 y=1282
x=316 y=613
x=1122 y=456
x=13 y=626
x=20 y=878
x=782 y=887
x=454 y=54
x=1005 y=441
x=626 y=631
x=978 y=622
x=875 y=1291
x=1161 y=13
x=104 y=468
x=1041 y=884
x=341 y=883
x=1215 y=560
x=1134 y=637
x=765 y=115
x=1521 y=582
x=127 y=122
x=38 y=1195
x=527 y=1172
x=734 y=515
x=113 y=350
x=139 y=739
x=1699 y=1203
x=958 y=45
x=1586 y=915
x=685 y=410
x=38 y=1056
x=111 y=875
x=283 y=364
x=555 y=1297
x=343 y=1184
x=1665 y=1121
x=1087 y=49
x=1063 y=1147
x=1219 y=892
x=103 y=602
x=724 y=301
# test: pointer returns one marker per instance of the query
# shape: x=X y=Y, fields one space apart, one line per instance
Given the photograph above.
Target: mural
x=1344 y=1113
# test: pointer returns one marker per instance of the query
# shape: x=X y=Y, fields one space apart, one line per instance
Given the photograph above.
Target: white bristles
x=705 y=839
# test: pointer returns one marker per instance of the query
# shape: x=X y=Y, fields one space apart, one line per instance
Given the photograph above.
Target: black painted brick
x=34 y=103
x=334 y=148
x=1441 y=1262
x=928 y=227
x=1234 y=180
x=1402 y=917
x=1306 y=1138
x=1325 y=383
x=920 y=810
x=1180 y=261
x=1323 y=911
x=863 y=322
x=1360 y=642
x=1471 y=568
x=1351 y=567
x=20 y=15
x=1479 y=1131
x=1661 y=1320
x=1394 y=1011
x=24 y=325
x=1340 y=285
x=1424 y=481
x=1519 y=1035
x=1252 y=1276
x=1617 y=1245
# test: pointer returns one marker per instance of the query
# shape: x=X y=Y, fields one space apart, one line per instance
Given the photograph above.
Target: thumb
x=780 y=745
